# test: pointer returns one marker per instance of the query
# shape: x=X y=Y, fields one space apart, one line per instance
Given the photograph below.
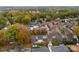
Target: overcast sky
x=39 y=2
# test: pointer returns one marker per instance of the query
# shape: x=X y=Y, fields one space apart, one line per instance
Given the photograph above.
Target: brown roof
x=74 y=48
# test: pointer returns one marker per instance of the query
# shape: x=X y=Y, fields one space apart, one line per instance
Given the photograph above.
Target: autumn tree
x=20 y=34
x=41 y=31
x=76 y=30
x=1 y=36
x=24 y=37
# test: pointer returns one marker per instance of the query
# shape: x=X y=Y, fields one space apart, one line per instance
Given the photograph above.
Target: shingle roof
x=44 y=49
x=60 y=48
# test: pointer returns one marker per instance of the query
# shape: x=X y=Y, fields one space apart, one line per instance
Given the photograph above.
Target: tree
x=1 y=36
x=11 y=20
x=24 y=37
x=48 y=18
x=3 y=22
x=10 y=34
x=3 y=44
x=76 y=30
x=8 y=15
x=41 y=31
x=23 y=19
x=20 y=34
x=56 y=42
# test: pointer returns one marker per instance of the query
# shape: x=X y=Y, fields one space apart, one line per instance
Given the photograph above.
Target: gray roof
x=34 y=24
x=39 y=37
x=20 y=50
x=60 y=48
x=49 y=36
x=58 y=36
x=44 y=49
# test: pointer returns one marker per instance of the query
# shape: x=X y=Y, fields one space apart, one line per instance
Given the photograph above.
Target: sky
x=39 y=2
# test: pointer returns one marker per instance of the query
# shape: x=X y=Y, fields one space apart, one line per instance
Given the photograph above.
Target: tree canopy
x=3 y=21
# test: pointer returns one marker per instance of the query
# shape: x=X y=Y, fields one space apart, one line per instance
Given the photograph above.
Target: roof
x=34 y=24
x=38 y=37
x=44 y=49
x=60 y=48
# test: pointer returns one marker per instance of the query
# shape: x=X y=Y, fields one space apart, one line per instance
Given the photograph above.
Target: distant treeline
x=25 y=16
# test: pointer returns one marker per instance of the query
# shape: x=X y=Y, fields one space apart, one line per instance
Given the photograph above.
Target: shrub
x=56 y=42
x=68 y=42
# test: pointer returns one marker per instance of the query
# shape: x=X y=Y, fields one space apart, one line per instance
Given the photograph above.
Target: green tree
x=3 y=22
x=23 y=19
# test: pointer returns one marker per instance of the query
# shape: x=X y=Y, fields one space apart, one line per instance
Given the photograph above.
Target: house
x=60 y=48
x=43 y=49
x=33 y=25
x=38 y=38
